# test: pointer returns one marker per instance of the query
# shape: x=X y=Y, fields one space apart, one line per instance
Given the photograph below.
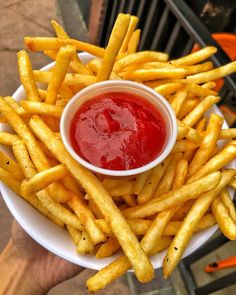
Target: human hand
x=42 y=269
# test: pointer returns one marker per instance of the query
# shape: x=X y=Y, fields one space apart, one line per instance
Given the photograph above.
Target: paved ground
x=20 y=18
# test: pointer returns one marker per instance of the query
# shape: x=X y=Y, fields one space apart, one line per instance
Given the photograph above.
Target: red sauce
x=118 y=131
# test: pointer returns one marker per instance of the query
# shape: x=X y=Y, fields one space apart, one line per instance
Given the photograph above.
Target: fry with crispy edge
x=114 y=45
x=42 y=108
x=199 y=208
x=128 y=241
x=8 y=138
x=132 y=25
x=174 y=197
x=227 y=201
x=134 y=42
x=208 y=144
x=42 y=179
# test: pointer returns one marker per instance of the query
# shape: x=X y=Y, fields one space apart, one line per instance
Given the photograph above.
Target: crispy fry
x=99 y=195
x=153 y=181
x=182 y=131
x=228 y=133
x=108 y=249
x=190 y=223
x=126 y=189
x=131 y=28
x=174 y=197
x=233 y=184
x=169 y=88
x=187 y=107
x=223 y=219
x=198 y=90
x=184 y=145
x=47 y=43
x=130 y=200
x=42 y=179
x=42 y=108
x=11 y=166
x=134 y=42
x=26 y=76
x=10 y=180
x=199 y=110
x=208 y=144
x=8 y=138
x=180 y=173
x=141 y=180
x=213 y=74
x=228 y=203
x=74 y=234
x=85 y=245
x=116 y=39
x=222 y=158
x=178 y=101
x=195 y=57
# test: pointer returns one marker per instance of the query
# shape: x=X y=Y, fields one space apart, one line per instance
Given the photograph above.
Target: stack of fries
x=143 y=214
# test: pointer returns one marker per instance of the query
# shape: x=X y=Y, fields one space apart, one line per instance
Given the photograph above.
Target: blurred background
x=176 y=27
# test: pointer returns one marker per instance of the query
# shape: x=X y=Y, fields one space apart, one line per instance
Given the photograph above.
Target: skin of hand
x=40 y=269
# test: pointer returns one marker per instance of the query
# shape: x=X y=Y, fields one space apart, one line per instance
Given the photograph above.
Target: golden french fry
x=228 y=133
x=134 y=42
x=87 y=219
x=10 y=180
x=130 y=200
x=222 y=158
x=101 y=198
x=187 y=107
x=173 y=227
x=168 y=177
x=42 y=179
x=195 y=57
x=190 y=223
x=15 y=106
x=213 y=74
x=26 y=76
x=63 y=59
x=152 y=74
x=223 y=219
x=42 y=108
x=57 y=211
x=153 y=181
x=11 y=166
x=182 y=211
x=209 y=85
x=48 y=43
x=8 y=138
x=233 y=184
x=116 y=39
x=131 y=28
x=38 y=157
x=228 y=203
x=182 y=131
x=199 y=110
x=178 y=100
x=198 y=90
x=85 y=245
x=74 y=234
x=184 y=145
x=168 y=88
x=139 y=57
x=108 y=248
x=208 y=144
x=126 y=189
x=174 y=197
x=141 y=180
x=180 y=173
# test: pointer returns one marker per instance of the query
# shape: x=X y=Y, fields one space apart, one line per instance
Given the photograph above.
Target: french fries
x=138 y=215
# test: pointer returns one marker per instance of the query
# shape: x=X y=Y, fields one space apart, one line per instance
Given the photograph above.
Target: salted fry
x=116 y=40
x=213 y=74
x=134 y=42
x=85 y=245
x=101 y=198
x=10 y=180
x=187 y=107
x=190 y=223
x=42 y=179
x=141 y=180
x=198 y=90
x=168 y=88
x=126 y=189
x=48 y=43
x=139 y=57
x=221 y=159
x=182 y=131
x=228 y=133
x=41 y=108
x=131 y=28
x=178 y=101
x=223 y=219
x=195 y=57
x=74 y=234
x=153 y=181
x=108 y=248
x=180 y=173
x=184 y=145
x=63 y=59
x=26 y=76
x=228 y=203
x=11 y=166
x=8 y=138
x=130 y=200
x=208 y=144
x=199 y=110
x=174 y=197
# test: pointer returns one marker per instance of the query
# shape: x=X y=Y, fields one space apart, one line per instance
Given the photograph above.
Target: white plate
x=56 y=239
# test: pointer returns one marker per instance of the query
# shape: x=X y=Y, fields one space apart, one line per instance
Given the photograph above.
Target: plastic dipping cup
x=148 y=94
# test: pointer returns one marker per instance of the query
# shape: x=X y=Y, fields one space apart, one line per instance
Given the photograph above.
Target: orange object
x=222 y=264
x=228 y=43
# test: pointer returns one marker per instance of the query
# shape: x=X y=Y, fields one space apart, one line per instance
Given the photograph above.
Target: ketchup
x=118 y=131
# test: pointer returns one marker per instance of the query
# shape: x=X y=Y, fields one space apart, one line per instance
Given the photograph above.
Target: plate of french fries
x=140 y=222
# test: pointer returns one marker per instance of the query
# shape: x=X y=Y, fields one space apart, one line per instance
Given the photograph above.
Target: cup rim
x=118 y=173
